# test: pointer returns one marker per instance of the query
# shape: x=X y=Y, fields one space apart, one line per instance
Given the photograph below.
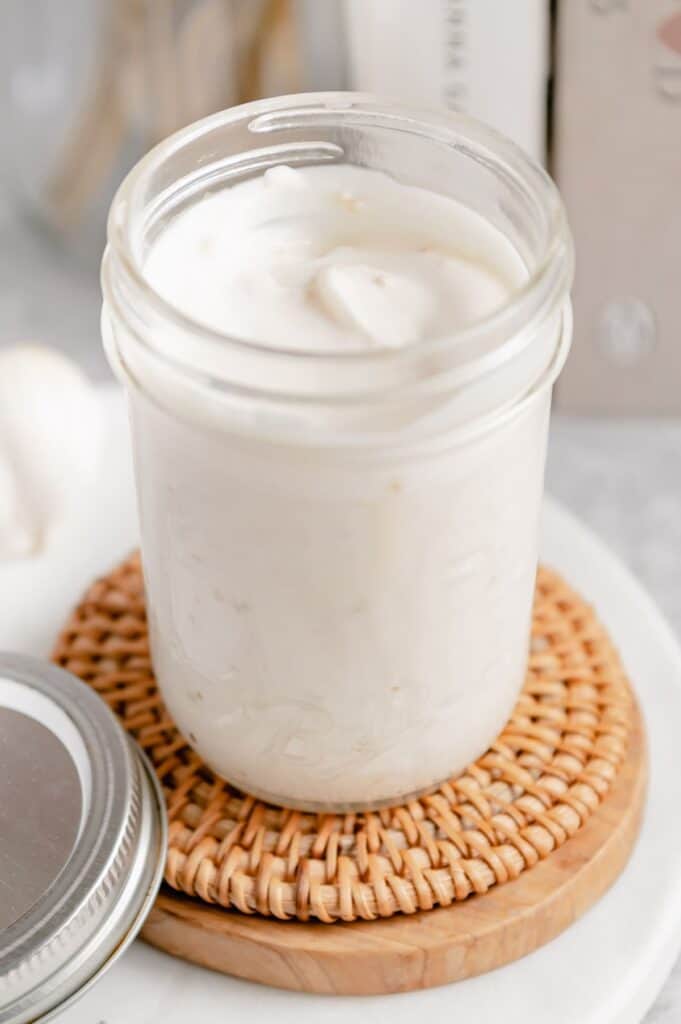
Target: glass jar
x=340 y=549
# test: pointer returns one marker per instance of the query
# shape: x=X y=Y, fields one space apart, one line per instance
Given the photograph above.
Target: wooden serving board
x=421 y=950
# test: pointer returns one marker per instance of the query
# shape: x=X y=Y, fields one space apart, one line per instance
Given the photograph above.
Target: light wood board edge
x=403 y=953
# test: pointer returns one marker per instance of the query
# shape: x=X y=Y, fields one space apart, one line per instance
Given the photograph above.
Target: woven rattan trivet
x=574 y=739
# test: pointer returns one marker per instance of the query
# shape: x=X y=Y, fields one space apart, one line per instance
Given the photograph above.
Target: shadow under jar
x=339 y=546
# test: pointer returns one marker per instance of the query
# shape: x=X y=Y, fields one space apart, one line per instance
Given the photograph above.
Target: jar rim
x=548 y=282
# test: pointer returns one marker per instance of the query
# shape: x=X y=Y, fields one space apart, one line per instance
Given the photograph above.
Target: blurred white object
x=49 y=438
x=321 y=33
x=483 y=57
x=17 y=534
x=617 y=160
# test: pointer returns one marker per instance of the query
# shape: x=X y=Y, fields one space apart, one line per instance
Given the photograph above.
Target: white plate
x=606 y=969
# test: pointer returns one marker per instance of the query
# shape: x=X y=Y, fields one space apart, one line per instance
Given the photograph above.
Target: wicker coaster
x=536 y=787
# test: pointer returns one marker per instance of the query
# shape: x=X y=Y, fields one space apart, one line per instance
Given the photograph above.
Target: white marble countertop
x=622 y=477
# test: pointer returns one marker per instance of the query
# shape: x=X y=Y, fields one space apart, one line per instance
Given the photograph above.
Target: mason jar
x=339 y=548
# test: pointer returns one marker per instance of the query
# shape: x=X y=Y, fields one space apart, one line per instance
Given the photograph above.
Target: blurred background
x=592 y=88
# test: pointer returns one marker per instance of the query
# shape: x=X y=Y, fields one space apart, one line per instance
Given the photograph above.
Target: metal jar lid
x=82 y=838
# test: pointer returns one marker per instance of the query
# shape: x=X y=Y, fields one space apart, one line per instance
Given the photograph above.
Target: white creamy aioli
x=332 y=258
x=328 y=629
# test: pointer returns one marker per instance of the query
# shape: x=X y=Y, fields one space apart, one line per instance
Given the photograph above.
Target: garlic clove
x=49 y=440
x=18 y=535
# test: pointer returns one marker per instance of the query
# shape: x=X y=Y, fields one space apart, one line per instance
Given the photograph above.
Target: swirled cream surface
x=332 y=258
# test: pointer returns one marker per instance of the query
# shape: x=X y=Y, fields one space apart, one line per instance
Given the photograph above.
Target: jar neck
x=475 y=373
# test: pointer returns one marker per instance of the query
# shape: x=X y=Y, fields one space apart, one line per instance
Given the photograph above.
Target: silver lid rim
x=137 y=923
x=100 y=898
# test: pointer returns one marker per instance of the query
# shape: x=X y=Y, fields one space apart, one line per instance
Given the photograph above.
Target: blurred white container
x=482 y=57
x=320 y=27
x=617 y=159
